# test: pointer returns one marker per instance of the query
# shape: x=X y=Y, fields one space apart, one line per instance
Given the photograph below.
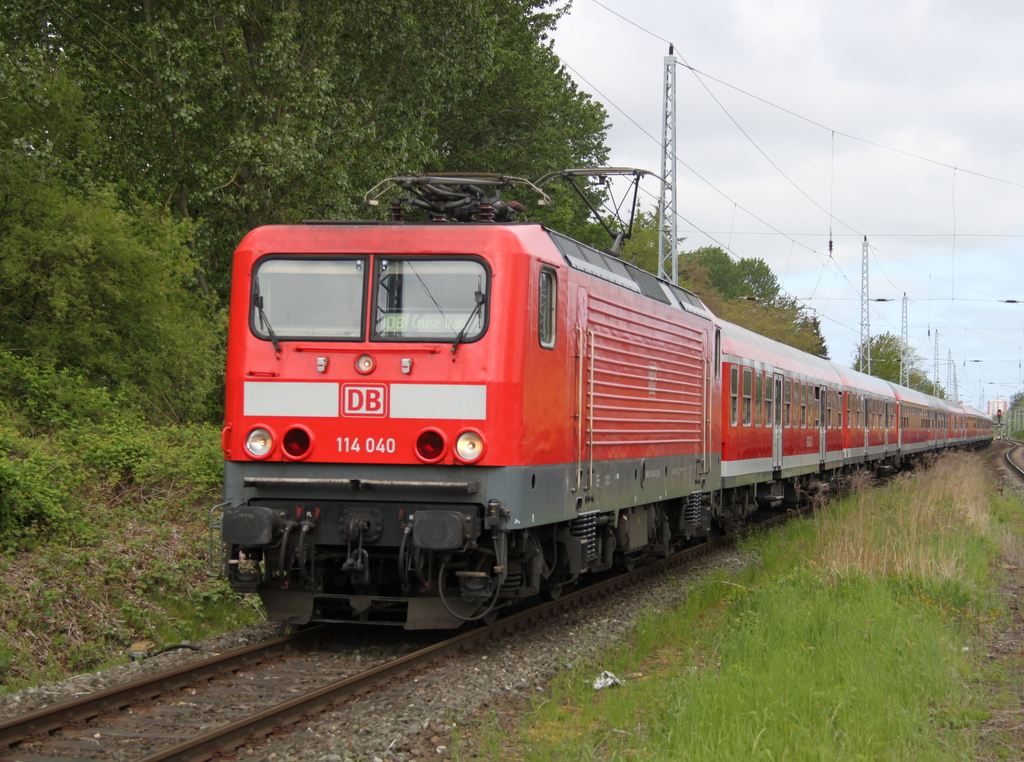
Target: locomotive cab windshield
x=415 y=299
x=430 y=299
x=295 y=298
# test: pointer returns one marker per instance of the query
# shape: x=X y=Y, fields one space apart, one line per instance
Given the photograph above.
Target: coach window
x=802 y=395
x=839 y=410
x=747 y=384
x=758 y=396
x=769 y=384
x=734 y=395
x=547 y=308
x=788 y=408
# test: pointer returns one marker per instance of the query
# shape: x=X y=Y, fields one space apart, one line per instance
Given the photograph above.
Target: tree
x=785 y=321
x=526 y=118
x=235 y=114
x=886 y=351
x=84 y=283
x=740 y=279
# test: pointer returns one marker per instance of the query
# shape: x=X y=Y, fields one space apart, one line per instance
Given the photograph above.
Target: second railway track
x=1015 y=458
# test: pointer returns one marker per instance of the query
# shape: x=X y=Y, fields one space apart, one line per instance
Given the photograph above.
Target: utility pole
x=668 y=241
x=950 y=377
x=935 y=364
x=864 y=360
x=904 y=370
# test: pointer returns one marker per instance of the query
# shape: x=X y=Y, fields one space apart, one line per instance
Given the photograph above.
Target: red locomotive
x=426 y=421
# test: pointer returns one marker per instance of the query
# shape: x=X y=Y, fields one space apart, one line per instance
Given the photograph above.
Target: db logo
x=364 y=400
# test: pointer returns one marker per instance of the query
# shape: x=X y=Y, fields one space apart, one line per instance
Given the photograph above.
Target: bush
x=69 y=450
x=42 y=399
x=39 y=488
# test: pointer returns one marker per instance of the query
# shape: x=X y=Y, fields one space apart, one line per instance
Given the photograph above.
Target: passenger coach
x=792 y=420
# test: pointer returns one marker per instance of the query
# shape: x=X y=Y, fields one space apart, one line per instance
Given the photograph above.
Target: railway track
x=1015 y=458
x=208 y=709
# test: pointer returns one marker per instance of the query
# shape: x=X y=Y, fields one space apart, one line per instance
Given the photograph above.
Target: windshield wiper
x=264 y=322
x=479 y=295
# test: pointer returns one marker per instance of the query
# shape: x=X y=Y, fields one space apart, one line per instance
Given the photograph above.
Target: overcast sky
x=902 y=122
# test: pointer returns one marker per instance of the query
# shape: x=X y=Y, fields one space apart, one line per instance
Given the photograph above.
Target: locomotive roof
x=609 y=266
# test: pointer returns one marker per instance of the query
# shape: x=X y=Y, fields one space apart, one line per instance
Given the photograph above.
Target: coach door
x=777 y=425
x=888 y=421
x=822 y=402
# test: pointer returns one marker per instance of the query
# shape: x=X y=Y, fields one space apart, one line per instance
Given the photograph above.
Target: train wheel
x=490 y=617
x=555 y=585
x=552 y=592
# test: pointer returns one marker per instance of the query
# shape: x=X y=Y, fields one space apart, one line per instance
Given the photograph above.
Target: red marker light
x=297 y=443
x=430 y=446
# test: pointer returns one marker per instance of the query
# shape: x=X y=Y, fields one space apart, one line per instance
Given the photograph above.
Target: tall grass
x=924 y=525
x=849 y=639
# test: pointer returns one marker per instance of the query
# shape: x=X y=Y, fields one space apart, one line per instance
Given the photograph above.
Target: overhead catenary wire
x=827 y=260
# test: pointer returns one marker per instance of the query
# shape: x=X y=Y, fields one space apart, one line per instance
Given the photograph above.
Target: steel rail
x=44 y=721
x=221 y=741
x=1009 y=460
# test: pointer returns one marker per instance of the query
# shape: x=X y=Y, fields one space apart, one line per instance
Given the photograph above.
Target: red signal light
x=430 y=446
x=297 y=443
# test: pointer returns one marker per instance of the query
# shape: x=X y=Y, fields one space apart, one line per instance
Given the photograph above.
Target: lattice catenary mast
x=667 y=238
x=904 y=347
x=864 y=360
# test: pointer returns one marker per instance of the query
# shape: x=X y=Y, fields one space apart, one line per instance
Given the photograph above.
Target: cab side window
x=547 y=308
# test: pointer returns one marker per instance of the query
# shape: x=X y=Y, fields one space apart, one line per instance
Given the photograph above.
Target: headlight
x=469 y=447
x=365 y=364
x=259 y=443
